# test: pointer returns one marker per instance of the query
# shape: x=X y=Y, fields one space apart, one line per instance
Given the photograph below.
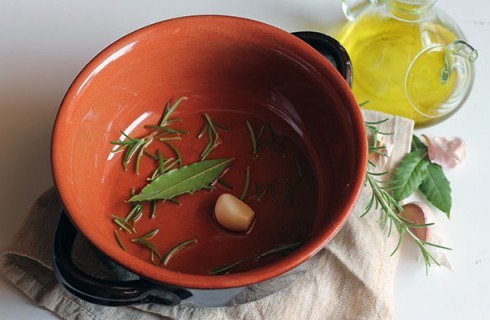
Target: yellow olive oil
x=397 y=65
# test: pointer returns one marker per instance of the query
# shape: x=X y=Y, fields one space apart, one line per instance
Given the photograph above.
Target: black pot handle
x=330 y=49
x=104 y=292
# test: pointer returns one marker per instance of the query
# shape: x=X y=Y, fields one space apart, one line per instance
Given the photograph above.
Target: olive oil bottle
x=408 y=59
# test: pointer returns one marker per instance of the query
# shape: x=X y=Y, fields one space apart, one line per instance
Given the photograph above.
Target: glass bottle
x=409 y=58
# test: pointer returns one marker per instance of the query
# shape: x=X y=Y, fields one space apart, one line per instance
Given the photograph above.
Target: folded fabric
x=351 y=278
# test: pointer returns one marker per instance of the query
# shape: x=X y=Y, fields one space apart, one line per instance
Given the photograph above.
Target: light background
x=44 y=44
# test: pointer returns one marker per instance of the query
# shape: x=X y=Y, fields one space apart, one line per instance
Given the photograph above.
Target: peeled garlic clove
x=419 y=213
x=232 y=213
x=447 y=153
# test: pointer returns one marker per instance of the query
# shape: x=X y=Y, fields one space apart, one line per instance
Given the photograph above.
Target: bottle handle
x=454 y=76
x=457 y=49
x=101 y=291
x=331 y=49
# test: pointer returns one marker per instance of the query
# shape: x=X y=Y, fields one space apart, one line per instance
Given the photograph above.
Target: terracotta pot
x=200 y=57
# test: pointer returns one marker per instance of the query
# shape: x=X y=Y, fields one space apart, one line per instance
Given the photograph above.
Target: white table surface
x=44 y=44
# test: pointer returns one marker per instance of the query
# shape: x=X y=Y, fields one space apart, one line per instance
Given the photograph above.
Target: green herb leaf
x=410 y=174
x=436 y=188
x=417 y=144
x=187 y=179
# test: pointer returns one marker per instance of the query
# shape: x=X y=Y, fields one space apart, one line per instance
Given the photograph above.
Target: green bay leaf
x=410 y=174
x=186 y=179
x=437 y=189
x=418 y=144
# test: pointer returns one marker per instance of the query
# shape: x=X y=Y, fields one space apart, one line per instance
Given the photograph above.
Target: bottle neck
x=410 y=10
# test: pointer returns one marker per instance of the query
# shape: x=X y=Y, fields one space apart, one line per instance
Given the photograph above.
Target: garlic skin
x=232 y=213
x=447 y=153
x=387 y=148
x=420 y=213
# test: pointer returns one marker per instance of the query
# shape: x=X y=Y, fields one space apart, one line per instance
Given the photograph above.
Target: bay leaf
x=417 y=144
x=410 y=174
x=186 y=179
x=437 y=189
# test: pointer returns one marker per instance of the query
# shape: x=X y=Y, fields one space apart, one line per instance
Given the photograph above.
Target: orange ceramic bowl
x=217 y=62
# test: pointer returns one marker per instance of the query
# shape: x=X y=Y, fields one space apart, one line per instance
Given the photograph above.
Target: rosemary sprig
x=226 y=269
x=133 y=147
x=137 y=146
x=214 y=138
x=256 y=139
x=127 y=223
x=381 y=198
x=178 y=248
x=391 y=208
x=169 y=110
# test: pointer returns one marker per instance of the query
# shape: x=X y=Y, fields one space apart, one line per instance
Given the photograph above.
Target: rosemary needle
x=281 y=250
x=150 y=234
x=138 y=146
x=226 y=269
x=246 y=184
x=145 y=243
x=214 y=139
x=269 y=188
x=119 y=242
x=224 y=183
x=123 y=224
x=176 y=151
x=178 y=248
x=153 y=209
x=169 y=110
x=252 y=137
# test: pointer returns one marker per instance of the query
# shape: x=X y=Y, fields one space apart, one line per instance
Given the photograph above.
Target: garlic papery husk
x=419 y=213
x=447 y=153
x=380 y=157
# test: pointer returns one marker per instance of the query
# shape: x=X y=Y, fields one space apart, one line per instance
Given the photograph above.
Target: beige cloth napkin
x=352 y=278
